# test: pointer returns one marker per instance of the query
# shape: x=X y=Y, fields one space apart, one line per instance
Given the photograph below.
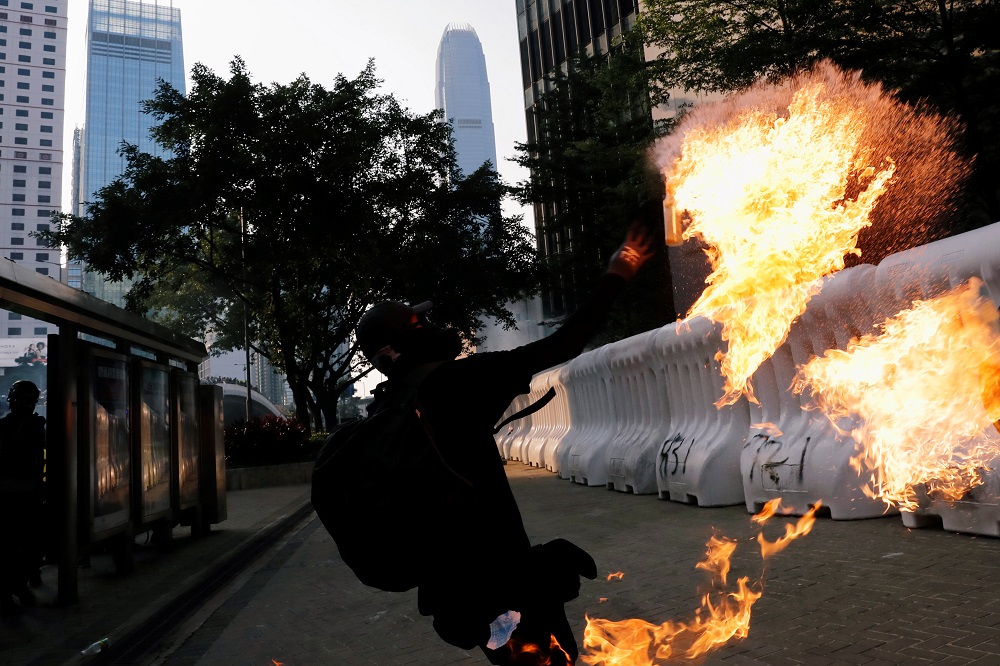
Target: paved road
x=859 y=592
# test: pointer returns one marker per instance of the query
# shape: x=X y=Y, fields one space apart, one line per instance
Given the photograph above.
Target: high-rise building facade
x=32 y=94
x=550 y=32
x=131 y=46
x=462 y=90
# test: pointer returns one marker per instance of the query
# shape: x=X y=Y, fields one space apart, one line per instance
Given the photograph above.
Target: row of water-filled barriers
x=639 y=415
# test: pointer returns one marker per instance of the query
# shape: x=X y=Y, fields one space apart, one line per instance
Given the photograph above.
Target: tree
x=287 y=210
x=591 y=178
x=947 y=53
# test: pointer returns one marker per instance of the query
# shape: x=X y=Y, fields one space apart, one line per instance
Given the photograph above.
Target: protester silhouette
x=22 y=465
x=480 y=534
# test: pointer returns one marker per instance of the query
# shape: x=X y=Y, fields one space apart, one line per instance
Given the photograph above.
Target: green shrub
x=268 y=440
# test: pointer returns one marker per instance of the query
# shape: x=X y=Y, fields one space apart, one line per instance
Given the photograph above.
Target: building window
x=22 y=99
x=20 y=155
x=43 y=213
x=43 y=271
x=42 y=227
x=51 y=48
x=48 y=75
x=44 y=198
x=17 y=226
x=17 y=256
x=23 y=85
x=49 y=61
x=20 y=168
x=46 y=115
x=21 y=127
x=24 y=45
x=45 y=184
x=18 y=198
x=45 y=143
x=45 y=171
x=13 y=316
x=41 y=330
x=23 y=113
x=20 y=183
x=27 y=5
x=23 y=72
x=17 y=212
x=21 y=140
x=50 y=35
x=48 y=101
x=46 y=129
x=24 y=58
x=48 y=88
x=45 y=156
x=13 y=331
x=17 y=241
x=25 y=31
x=25 y=19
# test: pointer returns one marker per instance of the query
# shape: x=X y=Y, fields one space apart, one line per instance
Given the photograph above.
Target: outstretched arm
x=581 y=326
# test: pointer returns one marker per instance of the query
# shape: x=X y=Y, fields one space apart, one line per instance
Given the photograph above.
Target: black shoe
x=26 y=597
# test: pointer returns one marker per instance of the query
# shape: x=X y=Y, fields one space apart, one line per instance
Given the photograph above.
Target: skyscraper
x=463 y=90
x=32 y=93
x=550 y=32
x=131 y=45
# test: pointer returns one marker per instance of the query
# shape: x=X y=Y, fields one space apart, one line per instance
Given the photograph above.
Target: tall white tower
x=463 y=91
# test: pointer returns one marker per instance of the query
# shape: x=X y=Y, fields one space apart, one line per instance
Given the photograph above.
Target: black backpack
x=379 y=482
x=376 y=483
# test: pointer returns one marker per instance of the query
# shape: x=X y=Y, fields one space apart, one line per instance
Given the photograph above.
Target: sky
x=321 y=38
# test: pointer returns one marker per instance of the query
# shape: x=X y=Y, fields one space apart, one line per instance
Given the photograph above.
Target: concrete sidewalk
x=113 y=605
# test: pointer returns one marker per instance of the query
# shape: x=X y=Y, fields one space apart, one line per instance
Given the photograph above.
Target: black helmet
x=22 y=389
x=383 y=324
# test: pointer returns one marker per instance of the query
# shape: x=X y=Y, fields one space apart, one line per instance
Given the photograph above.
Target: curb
x=147 y=631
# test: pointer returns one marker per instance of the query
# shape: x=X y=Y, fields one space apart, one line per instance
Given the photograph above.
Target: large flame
x=925 y=391
x=779 y=181
x=721 y=617
x=767 y=191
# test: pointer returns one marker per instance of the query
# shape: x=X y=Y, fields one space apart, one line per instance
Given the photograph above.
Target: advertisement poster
x=112 y=468
x=154 y=441
x=23 y=359
x=187 y=395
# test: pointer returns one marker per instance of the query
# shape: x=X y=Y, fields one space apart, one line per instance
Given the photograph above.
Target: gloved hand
x=634 y=252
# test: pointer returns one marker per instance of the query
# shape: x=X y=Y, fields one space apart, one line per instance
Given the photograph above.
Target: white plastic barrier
x=534 y=423
x=936 y=268
x=553 y=421
x=585 y=452
x=515 y=429
x=698 y=462
x=793 y=452
x=631 y=456
x=584 y=388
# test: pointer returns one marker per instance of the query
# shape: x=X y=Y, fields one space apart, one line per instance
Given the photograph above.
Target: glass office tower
x=131 y=45
x=463 y=90
x=32 y=94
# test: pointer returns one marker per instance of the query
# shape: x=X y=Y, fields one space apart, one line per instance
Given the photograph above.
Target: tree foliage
x=294 y=208
x=944 y=53
x=591 y=178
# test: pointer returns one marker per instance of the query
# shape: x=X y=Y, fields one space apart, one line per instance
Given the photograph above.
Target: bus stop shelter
x=133 y=440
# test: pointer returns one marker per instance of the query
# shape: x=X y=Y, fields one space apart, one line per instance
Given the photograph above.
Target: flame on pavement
x=722 y=616
x=802 y=527
x=616 y=575
x=925 y=391
x=529 y=654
